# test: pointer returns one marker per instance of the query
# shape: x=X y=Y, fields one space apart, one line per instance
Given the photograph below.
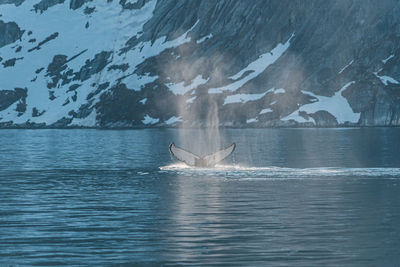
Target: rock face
x=276 y=63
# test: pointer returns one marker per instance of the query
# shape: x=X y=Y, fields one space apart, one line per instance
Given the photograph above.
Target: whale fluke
x=197 y=161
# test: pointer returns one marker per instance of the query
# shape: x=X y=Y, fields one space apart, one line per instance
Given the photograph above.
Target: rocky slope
x=110 y=63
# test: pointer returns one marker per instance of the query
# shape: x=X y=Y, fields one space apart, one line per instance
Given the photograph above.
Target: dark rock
x=75 y=4
x=89 y=10
x=137 y=5
x=21 y=106
x=15 y=2
x=11 y=62
x=51 y=95
x=122 y=67
x=9 y=97
x=36 y=113
x=47 y=39
x=55 y=68
x=324 y=119
x=100 y=88
x=73 y=87
x=39 y=70
x=43 y=5
x=93 y=66
x=61 y=123
x=9 y=33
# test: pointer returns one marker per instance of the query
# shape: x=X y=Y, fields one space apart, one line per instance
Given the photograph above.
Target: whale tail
x=197 y=161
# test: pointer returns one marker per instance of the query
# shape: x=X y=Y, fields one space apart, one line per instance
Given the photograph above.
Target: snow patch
x=386 y=79
x=266 y=110
x=256 y=67
x=345 y=67
x=387 y=59
x=191 y=100
x=131 y=1
x=89 y=121
x=336 y=105
x=251 y=120
x=110 y=21
x=204 y=38
x=181 y=89
x=173 y=120
x=149 y=120
x=296 y=117
x=280 y=91
x=243 y=98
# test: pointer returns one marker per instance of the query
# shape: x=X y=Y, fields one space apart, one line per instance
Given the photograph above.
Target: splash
x=240 y=172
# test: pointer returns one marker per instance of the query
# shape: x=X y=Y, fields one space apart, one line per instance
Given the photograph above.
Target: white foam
x=239 y=172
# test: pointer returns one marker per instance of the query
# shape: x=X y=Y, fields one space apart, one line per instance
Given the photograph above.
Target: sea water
x=298 y=197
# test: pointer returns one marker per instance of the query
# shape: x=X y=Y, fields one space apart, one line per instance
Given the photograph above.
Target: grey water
x=287 y=197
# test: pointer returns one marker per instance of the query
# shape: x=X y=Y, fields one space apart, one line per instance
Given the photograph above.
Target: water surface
x=298 y=197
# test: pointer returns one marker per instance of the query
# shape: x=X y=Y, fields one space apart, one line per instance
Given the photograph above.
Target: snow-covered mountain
x=135 y=63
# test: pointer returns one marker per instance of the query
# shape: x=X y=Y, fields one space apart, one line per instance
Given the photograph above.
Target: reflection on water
x=297 y=197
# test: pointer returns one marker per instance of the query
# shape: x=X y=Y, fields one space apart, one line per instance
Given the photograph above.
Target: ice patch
x=243 y=98
x=336 y=105
x=150 y=120
x=256 y=67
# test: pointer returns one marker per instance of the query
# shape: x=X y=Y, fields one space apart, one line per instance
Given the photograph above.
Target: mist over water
x=309 y=197
x=203 y=140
